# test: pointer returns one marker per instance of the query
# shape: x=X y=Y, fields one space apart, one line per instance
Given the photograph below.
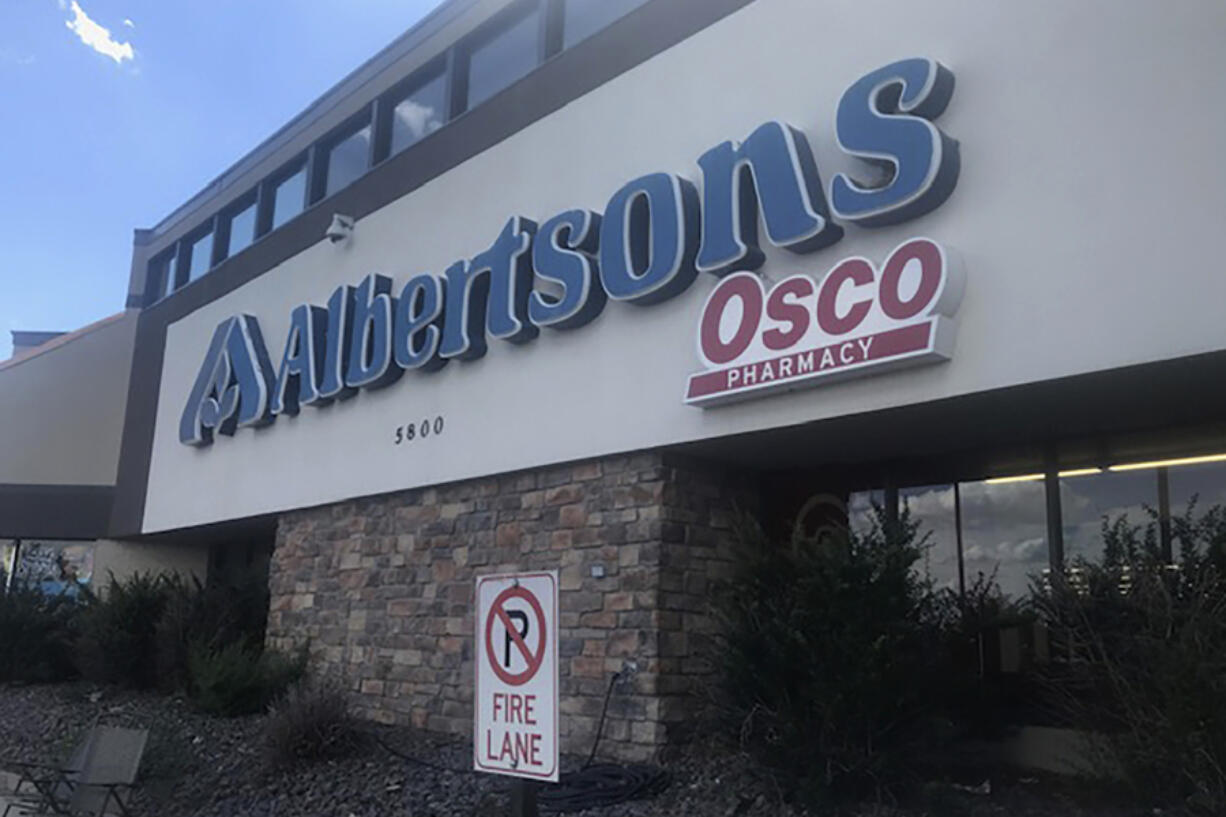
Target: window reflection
x=242 y=230
x=503 y=59
x=165 y=272
x=201 y=257
x=1086 y=500
x=860 y=511
x=1004 y=532
x=419 y=114
x=348 y=160
x=1205 y=483
x=585 y=17
x=290 y=198
x=932 y=507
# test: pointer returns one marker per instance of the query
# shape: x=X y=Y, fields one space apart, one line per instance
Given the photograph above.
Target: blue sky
x=117 y=111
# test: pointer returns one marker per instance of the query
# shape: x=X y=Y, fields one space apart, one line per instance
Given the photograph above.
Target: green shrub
x=829 y=651
x=208 y=617
x=36 y=636
x=1142 y=660
x=117 y=631
x=311 y=722
x=239 y=679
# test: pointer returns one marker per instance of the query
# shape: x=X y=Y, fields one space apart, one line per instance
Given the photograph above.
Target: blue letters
x=298 y=378
x=340 y=318
x=884 y=119
x=415 y=341
x=509 y=263
x=464 y=313
x=649 y=239
x=232 y=388
x=564 y=255
x=773 y=171
x=370 y=345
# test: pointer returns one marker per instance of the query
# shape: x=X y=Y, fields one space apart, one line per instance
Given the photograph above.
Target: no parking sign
x=516 y=712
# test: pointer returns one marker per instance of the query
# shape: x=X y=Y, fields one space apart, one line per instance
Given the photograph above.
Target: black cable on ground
x=602 y=785
x=606 y=784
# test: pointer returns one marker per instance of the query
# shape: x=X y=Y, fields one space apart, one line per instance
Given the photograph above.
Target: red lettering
x=854 y=270
x=794 y=314
x=931 y=268
x=742 y=286
x=529 y=706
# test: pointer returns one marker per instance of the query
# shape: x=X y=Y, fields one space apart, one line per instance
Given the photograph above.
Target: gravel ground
x=200 y=766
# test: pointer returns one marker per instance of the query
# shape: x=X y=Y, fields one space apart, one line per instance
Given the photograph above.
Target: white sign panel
x=516 y=712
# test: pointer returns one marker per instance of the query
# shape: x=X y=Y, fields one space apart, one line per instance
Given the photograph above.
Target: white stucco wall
x=1087 y=217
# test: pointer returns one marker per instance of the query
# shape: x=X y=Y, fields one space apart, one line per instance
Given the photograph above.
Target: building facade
x=570 y=284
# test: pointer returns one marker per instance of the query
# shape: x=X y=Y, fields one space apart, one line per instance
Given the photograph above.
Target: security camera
x=341 y=229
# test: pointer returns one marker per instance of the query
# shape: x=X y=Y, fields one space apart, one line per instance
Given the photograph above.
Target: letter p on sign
x=516 y=711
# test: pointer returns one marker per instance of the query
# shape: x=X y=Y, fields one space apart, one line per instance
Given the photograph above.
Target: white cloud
x=97 y=37
x=129 y=23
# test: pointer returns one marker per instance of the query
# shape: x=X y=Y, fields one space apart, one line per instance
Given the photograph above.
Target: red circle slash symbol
x=498 y=612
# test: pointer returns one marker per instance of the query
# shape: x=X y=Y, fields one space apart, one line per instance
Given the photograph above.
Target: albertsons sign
x=656 y=234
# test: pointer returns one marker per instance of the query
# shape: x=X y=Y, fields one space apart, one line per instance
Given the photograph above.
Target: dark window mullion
x=552 y=24
x=183 y=263
x=1055 y=518
x=457 y=81
x=265 y=196
x=317 y=175
x=1164 y=516
x=221 y=239
x=380 y=130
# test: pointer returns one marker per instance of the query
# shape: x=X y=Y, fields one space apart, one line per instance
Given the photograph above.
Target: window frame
x=487 y=32
x=441 y=67
x=322 y=153
x=265 y=216
x=187 y=247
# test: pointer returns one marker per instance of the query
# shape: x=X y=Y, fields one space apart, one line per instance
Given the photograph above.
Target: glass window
x=290 y=198
x=1194 y=490
x=500 y=60
x=1204 y=482
x=932 y=507
x=861 y=513
x=419 y=114
x=242 y=230
x=202 y=257
x=1086 y=500
x=585 y=17
x=163 y=273
x=1004 y=533
x=348 y=160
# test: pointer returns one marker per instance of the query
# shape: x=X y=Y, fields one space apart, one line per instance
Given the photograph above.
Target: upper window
x=585 y=17
x=504 y=57
x=165 y=271
x=201 y=256
x=348 y=159
x=242 y=230
x=290 y=198
x=419 y=114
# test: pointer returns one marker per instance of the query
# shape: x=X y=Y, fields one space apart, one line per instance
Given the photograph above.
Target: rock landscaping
x=203 y=766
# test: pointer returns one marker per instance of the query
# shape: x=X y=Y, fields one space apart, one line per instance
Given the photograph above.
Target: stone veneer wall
x=382 y=589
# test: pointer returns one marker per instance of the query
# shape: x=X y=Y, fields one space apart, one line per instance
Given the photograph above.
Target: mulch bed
x=200 y=766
